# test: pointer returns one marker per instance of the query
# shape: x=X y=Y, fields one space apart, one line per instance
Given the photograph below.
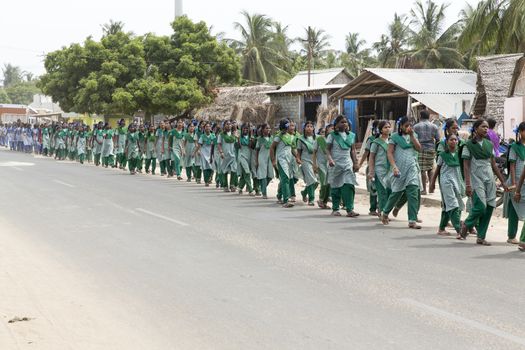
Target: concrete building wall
x=341 y=78
x=289 y=106
x=520 y=84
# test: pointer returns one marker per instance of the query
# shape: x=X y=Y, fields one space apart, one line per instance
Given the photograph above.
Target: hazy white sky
x=31 y=28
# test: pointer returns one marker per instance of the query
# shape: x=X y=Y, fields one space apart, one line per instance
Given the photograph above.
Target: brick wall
x=288 y=106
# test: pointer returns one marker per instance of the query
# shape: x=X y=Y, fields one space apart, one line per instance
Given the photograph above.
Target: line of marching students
x=248 y=158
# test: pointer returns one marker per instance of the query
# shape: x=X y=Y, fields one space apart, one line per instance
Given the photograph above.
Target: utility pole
x=179 y=11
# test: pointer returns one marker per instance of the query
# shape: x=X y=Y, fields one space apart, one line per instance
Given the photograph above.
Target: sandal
x=464 y=231
x=521 y=246
x=512 y=241
x=384 y=219
x=443 y=233
x=414 y=226
x=483 y=242
x=373 y=213
x=311 y=204
x=336 y=213
x=395 y=212
x=352 y=214
x=288 y=205
x=459 y=238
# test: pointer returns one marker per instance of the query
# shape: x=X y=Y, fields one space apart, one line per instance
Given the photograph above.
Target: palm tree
x=259 y=58
x=356 y=56
x=432 y=45
x=113 y=27
x=493 y=27
x=315 y=42
x=392 y=45
x=12 y=75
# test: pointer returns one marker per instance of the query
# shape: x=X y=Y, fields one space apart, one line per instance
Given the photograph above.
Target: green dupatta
x=401 y=141
x=309 y=144
x=483 y=152
x=450 y=159
x=228 y=138
x=344 y=144
x=266 y=142
x=519 y=148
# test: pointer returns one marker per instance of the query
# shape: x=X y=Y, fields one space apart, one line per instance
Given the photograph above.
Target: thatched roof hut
x=244 y=103
x=494 y=79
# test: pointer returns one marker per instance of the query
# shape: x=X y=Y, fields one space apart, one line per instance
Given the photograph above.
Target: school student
x=150 y=153
x=282 y=155
x=451 y=185
x=189 y=147
x=265 y=172
x=226 y=145
x=321 y=166
x=378 y=166
x=177 y=148
x=205 y=148
x=120 y=144
x=244 y=160
x=479 y=170
x=514 y=202
x=370 y=185
x=98 y=143
x=342 y=161
x=81 y=144
x=107 y=147
x=131 y=149
x=304 y=157
x=402 y=156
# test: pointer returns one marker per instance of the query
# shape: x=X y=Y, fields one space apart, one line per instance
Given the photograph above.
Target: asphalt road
x=201 y=269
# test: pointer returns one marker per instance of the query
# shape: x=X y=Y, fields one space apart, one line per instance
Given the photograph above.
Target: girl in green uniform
x=197 y=171
x=451 y=185
x=370 y=185
x=45 y=140
x=321 y=166
x=177 y=148
x=165 y=163
x=205 y=148
x=378 y=166
x=142 y=147
x=226 y=145
x=402 y=156
x=189 y=147
x=263 y=162
x=61 y=143
x=150 y=153
x=98 y=142
x=107 y=147
x=89 y=144
x=256 y=133
x=283 y=155
x=131 y=149
x=121 y=135
x=305 y=151
x=244 y=159
x=81 y=144
x=479 y=170
x=159 y=146
x=514 y=210
x=342 y=163
x=217 y=160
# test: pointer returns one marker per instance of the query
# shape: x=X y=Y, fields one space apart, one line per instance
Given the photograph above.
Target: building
x=302 y=97
x=10 y=113
x=492 y=88
x=392 y=93
x=514 y=106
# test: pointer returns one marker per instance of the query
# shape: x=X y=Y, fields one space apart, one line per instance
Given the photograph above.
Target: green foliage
x=22 y=93
x=4 y=97
x=123 y=73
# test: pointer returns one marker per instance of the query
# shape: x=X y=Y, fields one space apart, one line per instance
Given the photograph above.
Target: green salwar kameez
x=452 y=190
x=515 y=212
x=285 y=160
x=382 y=173
x=307 y=148
x=244 y=164
x=341 y=176
x=265 y=172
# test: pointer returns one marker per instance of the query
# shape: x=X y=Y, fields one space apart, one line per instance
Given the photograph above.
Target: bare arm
x=329 y=155
x=353 y=154
x=466 y=171
x=517 y=195
x=513 y=173
x=371 y=166
x=364 y=157
x=415 y=142
x=432 y=185
x=272 y=153
x=391 y=159
x=496 y=171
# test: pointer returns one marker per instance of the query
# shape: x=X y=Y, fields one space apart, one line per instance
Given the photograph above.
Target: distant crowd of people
x=246 y=158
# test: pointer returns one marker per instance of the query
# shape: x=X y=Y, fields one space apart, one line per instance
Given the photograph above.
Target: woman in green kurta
x=121 y=135
x=107 y=147
x=226 y=146
x=451 y=185
x=402 y=156
x=159 y=147
x=263 y=162
x=342 y=161
x=166 y=151
x=514 y=209
x=370 y=185
x=131 y=149
x=89 y=144
x=256 y=133
x=45 y=140
x=189 y=147
x=142 y=147
x=150 y=152
x=205 y=148
x=177 y=148
x=378 y=166
x=244 y=160
x=98 y=142
x=282 y=153
x=81 y=145
x=305 y=151
x=321 y=166
x=217 y=160
x=479 y=170
x=61 y=144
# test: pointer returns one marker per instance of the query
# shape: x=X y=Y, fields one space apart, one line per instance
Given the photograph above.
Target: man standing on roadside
x=428 y=136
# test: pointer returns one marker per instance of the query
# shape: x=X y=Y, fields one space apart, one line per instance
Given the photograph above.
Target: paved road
x=208 y=270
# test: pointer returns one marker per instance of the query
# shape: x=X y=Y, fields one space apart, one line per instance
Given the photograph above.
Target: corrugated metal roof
x=446 y=105
x=430 y=81
x=319 y=80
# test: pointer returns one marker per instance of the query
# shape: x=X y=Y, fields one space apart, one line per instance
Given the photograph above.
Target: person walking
x=428 y=136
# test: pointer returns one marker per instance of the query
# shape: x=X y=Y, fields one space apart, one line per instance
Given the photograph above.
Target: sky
x=31 y=28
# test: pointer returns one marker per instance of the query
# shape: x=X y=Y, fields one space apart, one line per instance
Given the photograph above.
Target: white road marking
x=465 y=321
x=181 y=223
x=17 y=168
x=15 y=164
x=64 y=183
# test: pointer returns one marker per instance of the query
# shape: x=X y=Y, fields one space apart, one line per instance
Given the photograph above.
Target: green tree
x=4 y=97
x=315 y=44
x=433 y=45
x=22 y=93
x=12 y=75
x=112 y=28
x=260 y=48
x=356 y=56
x=392 y=45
